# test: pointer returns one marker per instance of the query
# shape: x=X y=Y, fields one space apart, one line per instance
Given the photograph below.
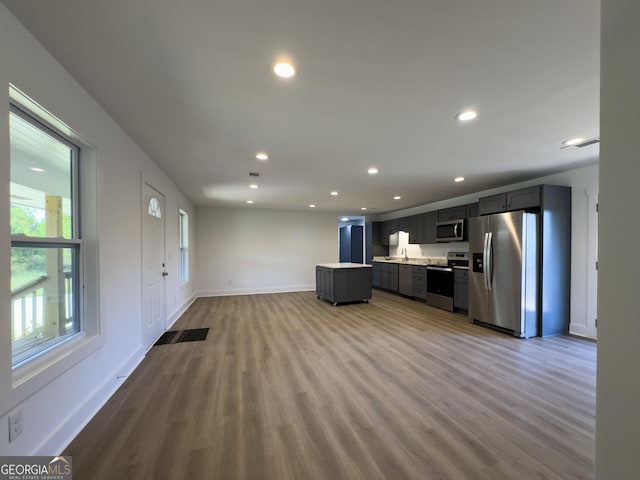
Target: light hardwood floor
x=289 y=387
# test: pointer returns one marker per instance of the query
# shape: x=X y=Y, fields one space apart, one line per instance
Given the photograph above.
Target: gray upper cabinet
x=430 y=219
x=403 y=224
x=395 y=225
x=473 y=210
x=523 y=198
x=493 y=204
x=424 y=228
x=414 y=229
x=384 y=233
x=453 y=213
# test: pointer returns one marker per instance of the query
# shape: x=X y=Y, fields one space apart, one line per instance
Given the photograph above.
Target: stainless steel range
x=440 y=280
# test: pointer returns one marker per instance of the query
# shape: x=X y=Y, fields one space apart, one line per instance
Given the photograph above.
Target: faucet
x=404 y=250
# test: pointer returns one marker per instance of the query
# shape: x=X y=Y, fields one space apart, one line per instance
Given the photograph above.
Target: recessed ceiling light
x=397 y=197
x=458 y=179
x=312 y=205
x=253 y=185
x=37 y=169
x=363 y=208
x=262 y=156
x=573 y=141
x=284 y=69
x=334 y=193
x=467 y=115
x=372 y=171
x=344 y=219
x=249 y=201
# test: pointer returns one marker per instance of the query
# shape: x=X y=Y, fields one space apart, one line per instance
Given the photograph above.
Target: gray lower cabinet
x=419 y=281
x=385 y=276
x=405 y=280
x=375 y=274
x=392 y=276
x=461 y=288
x=341 y=285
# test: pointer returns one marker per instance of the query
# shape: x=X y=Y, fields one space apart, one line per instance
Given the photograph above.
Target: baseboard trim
x=82 y=415
x=578 y=330
x=255 y=291
x=180 y=311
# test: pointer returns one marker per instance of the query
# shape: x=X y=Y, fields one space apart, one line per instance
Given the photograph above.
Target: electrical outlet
x=230 y=282
x=15 y=425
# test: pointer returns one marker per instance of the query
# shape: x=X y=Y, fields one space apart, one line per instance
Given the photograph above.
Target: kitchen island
x=343 y=282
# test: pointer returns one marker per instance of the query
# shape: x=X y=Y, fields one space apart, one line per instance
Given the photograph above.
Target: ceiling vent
x=587 y=142
x=254 y=174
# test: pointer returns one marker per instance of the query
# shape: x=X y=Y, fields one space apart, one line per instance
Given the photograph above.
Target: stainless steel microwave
x=450 y=231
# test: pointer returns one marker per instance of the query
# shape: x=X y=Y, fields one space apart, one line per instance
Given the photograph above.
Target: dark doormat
x=178 y=336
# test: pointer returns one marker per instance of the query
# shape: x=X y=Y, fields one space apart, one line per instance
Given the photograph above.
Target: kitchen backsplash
x=424 y=251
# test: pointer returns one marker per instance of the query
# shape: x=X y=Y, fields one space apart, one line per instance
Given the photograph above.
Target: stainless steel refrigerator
x=503 y=275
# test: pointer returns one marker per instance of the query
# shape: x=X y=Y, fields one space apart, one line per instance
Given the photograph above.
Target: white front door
x=153 y=265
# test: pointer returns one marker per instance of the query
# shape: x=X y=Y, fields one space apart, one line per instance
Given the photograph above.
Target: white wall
x=54 y=414
x=433 y=250
x=618 y=387
x=249 y=250
x=582 y=181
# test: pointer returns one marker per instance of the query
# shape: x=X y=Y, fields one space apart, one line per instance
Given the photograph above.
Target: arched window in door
x=154 y=208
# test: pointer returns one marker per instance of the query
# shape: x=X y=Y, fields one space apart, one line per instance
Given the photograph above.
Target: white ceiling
x=379 y=84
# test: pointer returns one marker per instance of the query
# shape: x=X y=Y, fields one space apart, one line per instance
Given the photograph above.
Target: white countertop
x=344 y=265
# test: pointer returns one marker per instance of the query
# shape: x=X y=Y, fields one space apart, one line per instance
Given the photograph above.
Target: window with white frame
x=184 y=246
x=46 y=241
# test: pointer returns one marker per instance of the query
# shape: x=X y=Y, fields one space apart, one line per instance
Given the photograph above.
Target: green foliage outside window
x=29 y=264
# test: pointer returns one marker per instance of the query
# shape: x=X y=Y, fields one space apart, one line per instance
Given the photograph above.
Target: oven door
x=440 y=287
x=440 y=281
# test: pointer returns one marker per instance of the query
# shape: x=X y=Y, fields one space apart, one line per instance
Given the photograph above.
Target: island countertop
x=344 y=265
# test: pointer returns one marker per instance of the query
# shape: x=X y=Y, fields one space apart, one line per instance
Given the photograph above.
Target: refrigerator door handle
x=488 y=266
x=484 y=261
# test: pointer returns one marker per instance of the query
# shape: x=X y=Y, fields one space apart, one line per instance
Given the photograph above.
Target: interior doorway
x=351 y=239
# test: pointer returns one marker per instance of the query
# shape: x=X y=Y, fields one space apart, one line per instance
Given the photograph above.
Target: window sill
x=37 y=373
